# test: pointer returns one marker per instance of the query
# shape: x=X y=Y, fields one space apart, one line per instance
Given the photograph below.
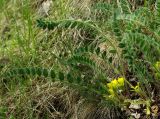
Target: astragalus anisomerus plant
x=116 y=63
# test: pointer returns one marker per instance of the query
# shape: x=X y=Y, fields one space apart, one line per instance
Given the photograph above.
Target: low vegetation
x=83 y=59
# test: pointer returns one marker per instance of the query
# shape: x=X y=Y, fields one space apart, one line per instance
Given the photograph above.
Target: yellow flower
x=114 y=83
x=111 y=91
x=121 y=81
x=109 y=85
x=148 y=112
x=157 y=65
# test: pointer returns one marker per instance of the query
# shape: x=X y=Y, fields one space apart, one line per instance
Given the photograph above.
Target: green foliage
x=131 y=47
x=102 y=11
x=30 y=71
x=158 y=8
x=67 y=24
x=125 y=6
x=3 y=111
x=102 y=6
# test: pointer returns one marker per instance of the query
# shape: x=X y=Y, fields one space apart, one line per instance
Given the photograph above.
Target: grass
x=84 y=60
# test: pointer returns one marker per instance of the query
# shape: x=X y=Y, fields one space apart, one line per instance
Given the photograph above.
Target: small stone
x=45 y=7
x=136 y=115
x=134 y=106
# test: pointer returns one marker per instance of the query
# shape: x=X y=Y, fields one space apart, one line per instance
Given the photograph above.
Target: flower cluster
x=157 y=69
x=157 y=65
x=115 y=85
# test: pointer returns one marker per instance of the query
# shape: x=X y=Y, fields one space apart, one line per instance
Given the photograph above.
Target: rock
x=134 y=106
x=136 y=115
x=45 y=7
